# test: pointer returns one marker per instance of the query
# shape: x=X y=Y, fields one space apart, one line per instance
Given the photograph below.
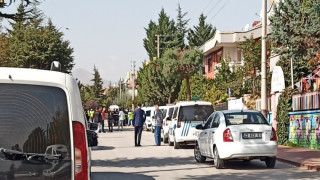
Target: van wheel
x=219 y=163
x=165 y=140
x=176 y=144
x=270 y=162
x=197 y=154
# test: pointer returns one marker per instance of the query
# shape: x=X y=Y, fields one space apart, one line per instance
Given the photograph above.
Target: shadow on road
x=119 y=176
x=251 y=175
x=144 y=162
x=99 y=148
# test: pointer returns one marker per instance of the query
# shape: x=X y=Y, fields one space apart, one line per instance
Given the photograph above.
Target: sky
x=109 y=34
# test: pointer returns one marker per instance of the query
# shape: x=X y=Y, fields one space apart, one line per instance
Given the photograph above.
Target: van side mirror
x=92 y=138
x=199 y=127
x=168 y=119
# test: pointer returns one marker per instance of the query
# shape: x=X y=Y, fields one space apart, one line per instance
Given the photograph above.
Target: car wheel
x=219 y=163
x=270 y=162
x=176 y=144
x=197 y=154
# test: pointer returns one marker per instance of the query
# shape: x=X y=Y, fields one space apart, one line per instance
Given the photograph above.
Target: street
x=117 y=158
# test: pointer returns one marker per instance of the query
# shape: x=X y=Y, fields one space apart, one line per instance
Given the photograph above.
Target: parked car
x=42 y=120
x=149 y=113
x=186 y=115
x=236 y=134
x=167 y=112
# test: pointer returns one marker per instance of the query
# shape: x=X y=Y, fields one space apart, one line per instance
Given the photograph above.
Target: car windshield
x=236 y=118
x=34 y=130
x=195 y=112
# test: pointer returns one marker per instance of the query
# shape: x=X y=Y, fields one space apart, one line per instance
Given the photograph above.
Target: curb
x=309 y=167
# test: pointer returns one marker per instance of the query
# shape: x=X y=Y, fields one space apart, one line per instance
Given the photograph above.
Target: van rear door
x=34 y=132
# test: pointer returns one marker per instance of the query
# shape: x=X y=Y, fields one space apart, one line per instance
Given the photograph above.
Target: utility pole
x=158 y=45
x=264 y=60
x=120 y=88
x=132 y=80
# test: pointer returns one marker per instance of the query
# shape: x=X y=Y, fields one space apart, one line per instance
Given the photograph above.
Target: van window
x=195 y=112
x=148 y=112
x=175 y=112
x=34 y=132
x=170 y=112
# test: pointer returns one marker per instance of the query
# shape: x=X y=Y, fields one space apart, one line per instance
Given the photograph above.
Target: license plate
x=252 y=135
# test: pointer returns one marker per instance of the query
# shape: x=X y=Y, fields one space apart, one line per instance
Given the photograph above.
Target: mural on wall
x=304 y=130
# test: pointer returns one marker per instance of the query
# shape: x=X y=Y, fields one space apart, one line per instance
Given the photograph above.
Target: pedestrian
x=110 y=120
x=138 y=120
x=130 y=117
x=121 y=119
x=91 y=112
x=158 y=124
x=97 y=118
x=103 y=115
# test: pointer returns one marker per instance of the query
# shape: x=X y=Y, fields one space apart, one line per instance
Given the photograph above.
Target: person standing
x=97 y=118
x=158 y=124
x=110 y=120
x=121 y=119
x=130 y=117
x=138 y=120
x=103 y=115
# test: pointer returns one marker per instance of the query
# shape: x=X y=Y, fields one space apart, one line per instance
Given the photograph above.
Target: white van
x=186 y=115
x=43 y=128
x=167 y=112
x=149 y=112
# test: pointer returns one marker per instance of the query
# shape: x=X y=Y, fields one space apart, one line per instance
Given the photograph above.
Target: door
x=211 y=133
x=203 y=136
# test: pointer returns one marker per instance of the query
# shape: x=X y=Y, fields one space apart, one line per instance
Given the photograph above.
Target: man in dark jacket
x=138 y=121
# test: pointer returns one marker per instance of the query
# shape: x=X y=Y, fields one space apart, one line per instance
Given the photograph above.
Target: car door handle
x=205 y=132
x=212 y=132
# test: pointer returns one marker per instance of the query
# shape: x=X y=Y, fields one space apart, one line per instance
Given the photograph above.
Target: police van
x=43 y=128
x=186 y=115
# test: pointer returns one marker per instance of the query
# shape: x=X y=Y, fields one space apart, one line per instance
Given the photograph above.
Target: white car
x=167 y=112
x=43 y=128
x=186 y=115
x=149 y=113
x=236 y=134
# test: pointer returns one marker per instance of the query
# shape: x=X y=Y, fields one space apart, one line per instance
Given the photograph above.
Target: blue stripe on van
x=183 y=128
x=189 y=124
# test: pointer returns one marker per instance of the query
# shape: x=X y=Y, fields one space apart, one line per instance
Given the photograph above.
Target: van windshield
x=195 y=112
x=34 y=132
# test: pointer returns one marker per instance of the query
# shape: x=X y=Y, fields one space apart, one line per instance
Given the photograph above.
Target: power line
x=214 y=6
x=219 y=10
x=210 y=2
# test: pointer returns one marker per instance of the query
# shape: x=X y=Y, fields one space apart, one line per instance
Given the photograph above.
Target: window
x=195 y=112
x=236 y=118
x=208 y=122
x=175 y=113
x=216 y=121
x=210 y=63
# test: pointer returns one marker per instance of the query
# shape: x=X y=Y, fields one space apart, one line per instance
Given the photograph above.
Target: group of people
x=112 y=116
x=136 y=119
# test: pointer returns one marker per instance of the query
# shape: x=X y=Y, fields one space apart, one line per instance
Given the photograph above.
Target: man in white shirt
x=121 y=119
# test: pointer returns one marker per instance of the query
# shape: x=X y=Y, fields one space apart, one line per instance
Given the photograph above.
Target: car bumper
x=247 y=151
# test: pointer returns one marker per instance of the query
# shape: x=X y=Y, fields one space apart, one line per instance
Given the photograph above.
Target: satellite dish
x=246 y=28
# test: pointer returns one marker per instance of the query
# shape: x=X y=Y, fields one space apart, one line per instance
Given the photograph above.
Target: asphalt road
x=117 y=158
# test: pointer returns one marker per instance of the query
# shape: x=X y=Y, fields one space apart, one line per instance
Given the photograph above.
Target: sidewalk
x=302 y=157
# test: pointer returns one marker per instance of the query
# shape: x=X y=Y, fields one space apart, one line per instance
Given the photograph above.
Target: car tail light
x=179 y=123
x=227 y=136
x=273 y=136
x=80 y=152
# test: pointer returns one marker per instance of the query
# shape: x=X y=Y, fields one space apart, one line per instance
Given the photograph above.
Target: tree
x=295 y=32
x=13 y=16
x=181 y=27
x=182 y=64
x=3 y=48
x=166 y=28
x=201 y=33
x=198 y=84
x=32 y=45
x=97 y=89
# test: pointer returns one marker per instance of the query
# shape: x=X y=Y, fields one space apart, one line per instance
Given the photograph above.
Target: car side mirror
x=92 y=138
x=199 y=127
